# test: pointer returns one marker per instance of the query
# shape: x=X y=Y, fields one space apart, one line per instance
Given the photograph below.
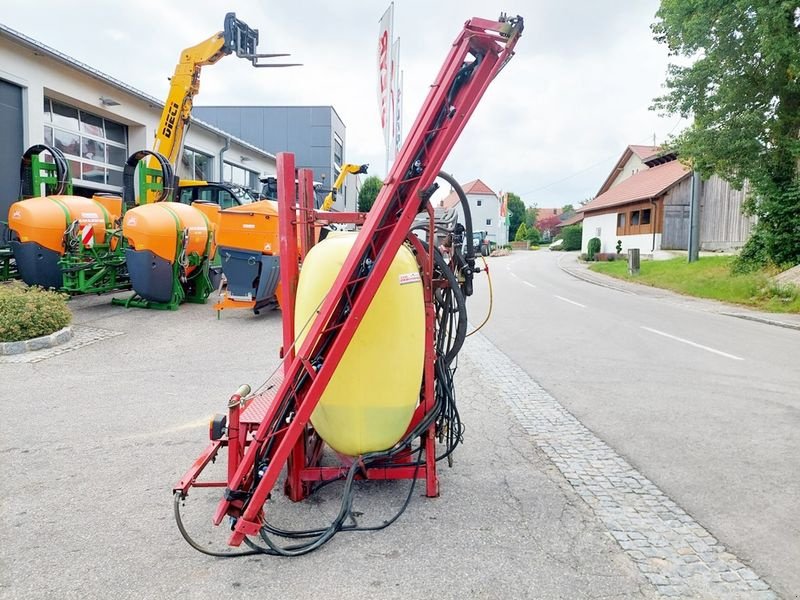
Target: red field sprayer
x=290 y=420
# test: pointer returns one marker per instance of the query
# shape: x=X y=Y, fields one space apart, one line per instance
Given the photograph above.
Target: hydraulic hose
x=128 y=185
x=465 y=206
x=26 y=171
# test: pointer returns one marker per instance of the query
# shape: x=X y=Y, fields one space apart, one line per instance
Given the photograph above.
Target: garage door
x=10 y=146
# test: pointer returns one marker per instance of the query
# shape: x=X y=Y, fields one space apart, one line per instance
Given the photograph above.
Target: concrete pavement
x=96 y=437
x=703 y=404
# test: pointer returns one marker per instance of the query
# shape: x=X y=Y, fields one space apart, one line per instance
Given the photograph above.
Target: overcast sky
x=549 y=128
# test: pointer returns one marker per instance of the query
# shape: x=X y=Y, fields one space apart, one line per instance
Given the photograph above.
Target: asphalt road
x=706 y=405
x=93 y=440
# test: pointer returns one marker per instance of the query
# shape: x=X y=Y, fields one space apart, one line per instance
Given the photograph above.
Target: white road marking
x=514 y=275
x=529 y=284
x=570 y=301
x=690 y=343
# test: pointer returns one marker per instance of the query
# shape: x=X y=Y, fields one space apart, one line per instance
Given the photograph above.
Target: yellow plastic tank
x=155 y=227
x=43 y=220
x=368 y=403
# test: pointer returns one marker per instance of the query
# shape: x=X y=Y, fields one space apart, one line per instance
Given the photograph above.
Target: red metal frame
x=266 y=433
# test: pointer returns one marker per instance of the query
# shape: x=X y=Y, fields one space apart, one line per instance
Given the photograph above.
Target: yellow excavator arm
x=236 y=38
x=337 y=185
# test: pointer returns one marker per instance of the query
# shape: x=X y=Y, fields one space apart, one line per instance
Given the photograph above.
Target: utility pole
x=694 y=218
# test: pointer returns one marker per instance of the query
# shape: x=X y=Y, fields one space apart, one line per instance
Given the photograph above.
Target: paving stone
x=82 y=335
x=677 y=555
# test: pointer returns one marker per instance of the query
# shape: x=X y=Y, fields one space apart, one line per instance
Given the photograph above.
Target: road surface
x=705 y=405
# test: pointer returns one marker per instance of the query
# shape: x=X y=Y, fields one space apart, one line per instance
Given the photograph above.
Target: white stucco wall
x=607 y=223
x=489 y=209
x=41 y=76
x=602 y=226
x=634 y=165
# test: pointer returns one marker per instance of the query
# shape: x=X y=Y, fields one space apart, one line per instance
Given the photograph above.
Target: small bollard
x=633 y=261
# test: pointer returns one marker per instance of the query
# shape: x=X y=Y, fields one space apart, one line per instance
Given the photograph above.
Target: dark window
x=480 y=202
x=338 y=150
x=620 y=220
x=93 y=150
x=65 y=116
x=488 y=221
x=92 y=124
x=115 y=132
x=226 y=199
x=635 y=217
x=646 y=216
x=100 y=144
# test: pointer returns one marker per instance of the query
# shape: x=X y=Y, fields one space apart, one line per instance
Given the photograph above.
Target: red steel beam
x=451 y=101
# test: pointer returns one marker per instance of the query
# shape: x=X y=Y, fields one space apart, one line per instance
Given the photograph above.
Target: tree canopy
x=522 y=233
x=531 y=216
x=743 y=90
x=516 y=211
x=368 y=192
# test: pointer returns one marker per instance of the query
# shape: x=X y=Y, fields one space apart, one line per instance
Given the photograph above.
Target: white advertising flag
x=384 y=75
x=396 y=93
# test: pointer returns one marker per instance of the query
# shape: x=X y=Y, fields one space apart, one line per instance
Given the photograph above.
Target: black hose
x=467 y=212
x=26 y=171
x=128 y=185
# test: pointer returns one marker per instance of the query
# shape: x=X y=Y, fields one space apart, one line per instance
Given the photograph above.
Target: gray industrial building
x=316 y=135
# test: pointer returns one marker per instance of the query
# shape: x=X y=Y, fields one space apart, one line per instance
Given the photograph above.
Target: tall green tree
x=531 y=216
x=522 y=233
x=568 y=209
x=516 y=210
x=744 y=93
x=368 y=192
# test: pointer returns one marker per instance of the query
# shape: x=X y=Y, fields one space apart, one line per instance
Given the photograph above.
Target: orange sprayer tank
x=40 y=224
x=250 y=227
x=44 y=220
x=155 y=234
x=156 y=227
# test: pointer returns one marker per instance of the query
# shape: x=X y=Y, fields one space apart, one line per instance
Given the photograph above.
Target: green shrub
x=522 y=233
x=754 y=255
x=619 y=246
x=29 y=312
x=534 y=235
x=593 y=247
x=572 y=235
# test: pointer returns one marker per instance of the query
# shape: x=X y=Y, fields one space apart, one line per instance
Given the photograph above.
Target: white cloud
x=575 y=94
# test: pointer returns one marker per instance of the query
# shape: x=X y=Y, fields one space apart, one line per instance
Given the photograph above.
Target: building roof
x=473 y=188
x=643 y=185
x=39 y=48
x=576 y=218
x=642 y=152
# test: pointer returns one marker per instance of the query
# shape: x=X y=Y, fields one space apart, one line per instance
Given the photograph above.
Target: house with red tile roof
x=485 y=206
x=631 y=204
x=644 y=203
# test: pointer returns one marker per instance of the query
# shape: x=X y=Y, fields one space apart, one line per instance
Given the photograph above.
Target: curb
x=764 y=320
x=755 y=318
x=39 y=343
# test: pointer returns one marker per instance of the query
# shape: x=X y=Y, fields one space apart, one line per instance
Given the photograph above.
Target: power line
x=589 y=168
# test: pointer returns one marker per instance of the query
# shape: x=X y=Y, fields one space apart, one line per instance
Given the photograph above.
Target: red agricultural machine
x=382 y=404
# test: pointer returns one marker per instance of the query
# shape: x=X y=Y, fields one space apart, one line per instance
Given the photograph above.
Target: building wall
x=40 y=75
x=310 y=132
x=722 y=224
x=603 y=226
x=634 y=165
x=488 y=210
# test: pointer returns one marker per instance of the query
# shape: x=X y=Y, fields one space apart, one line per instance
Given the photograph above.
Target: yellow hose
x=491 y=298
